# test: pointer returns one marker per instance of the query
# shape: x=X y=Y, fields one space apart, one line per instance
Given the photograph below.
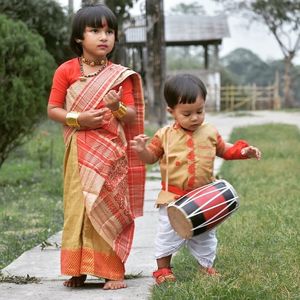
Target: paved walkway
x=45 y=264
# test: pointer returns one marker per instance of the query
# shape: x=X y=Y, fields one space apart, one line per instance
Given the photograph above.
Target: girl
x=101 y=106
x=186 y=151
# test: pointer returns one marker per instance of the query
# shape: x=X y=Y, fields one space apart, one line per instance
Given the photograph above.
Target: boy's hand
x=138 y=143
x=251 y=152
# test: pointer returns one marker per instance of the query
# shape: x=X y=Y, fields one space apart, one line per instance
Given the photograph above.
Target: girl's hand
x=92 y=119
x=138 y=143
x=112 y=99
x=251 y=152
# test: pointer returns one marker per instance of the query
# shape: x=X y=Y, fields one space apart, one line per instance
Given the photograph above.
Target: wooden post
x=206 y=57
x=215 y=62
x=70 y=7
x=227 y=97
x=231 y=97
x=253 y=102
x=156 y=68
x=276 y=97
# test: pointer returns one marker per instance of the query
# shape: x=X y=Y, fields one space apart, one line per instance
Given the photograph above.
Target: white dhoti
x=203 y=246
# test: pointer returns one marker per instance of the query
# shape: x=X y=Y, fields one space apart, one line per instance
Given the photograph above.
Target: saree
x=103 y=181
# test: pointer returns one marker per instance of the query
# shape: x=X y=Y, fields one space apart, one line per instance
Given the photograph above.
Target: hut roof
x=184 y=30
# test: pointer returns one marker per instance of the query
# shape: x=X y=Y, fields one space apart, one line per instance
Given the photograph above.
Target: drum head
x=180 y=223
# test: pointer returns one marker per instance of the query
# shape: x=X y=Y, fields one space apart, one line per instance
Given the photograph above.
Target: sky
x=254 y=37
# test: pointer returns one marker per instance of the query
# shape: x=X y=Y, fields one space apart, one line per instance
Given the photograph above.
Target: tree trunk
x=119 y=55
x=156 y=70
x=288 y=101
x=89 y=2
x=70 y=7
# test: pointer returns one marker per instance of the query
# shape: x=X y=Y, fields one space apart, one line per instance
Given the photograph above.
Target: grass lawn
x=259 y=246
x=31 y=193
x=258 y=252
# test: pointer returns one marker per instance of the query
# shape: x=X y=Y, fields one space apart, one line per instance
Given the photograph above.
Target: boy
x=186 y=151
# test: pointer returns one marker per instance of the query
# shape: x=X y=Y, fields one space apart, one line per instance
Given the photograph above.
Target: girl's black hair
x=183 y=88
x=92 y=16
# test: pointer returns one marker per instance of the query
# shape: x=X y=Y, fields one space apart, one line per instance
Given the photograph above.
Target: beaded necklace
x=84 y=77
x=92 y=63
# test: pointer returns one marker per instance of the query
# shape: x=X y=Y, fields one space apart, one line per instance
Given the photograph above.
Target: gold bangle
x=72 y=119
x=121 y=111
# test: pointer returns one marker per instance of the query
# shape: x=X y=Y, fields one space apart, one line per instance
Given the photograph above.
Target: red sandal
x=164 y=275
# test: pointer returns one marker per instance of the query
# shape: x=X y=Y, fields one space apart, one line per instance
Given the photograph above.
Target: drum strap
x=167 y=162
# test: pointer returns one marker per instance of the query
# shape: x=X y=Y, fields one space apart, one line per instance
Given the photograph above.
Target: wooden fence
x=249 y=97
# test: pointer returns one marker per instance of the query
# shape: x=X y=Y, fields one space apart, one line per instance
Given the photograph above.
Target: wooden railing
x=249 y=97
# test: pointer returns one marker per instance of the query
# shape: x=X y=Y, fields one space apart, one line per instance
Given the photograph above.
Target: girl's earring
x=78 y=41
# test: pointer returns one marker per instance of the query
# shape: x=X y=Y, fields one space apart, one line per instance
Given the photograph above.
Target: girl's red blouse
x=69 y=72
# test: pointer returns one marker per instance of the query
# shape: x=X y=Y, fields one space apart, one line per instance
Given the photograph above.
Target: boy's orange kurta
x=103 y=180
x=186 y=158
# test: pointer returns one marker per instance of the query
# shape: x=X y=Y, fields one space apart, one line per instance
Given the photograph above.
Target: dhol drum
x=203 y=208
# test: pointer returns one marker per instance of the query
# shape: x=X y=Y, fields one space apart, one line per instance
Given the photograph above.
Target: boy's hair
x=183 y=88
x=92 y=16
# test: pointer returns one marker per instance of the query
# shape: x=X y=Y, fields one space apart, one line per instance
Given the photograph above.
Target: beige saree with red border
x=103 y=182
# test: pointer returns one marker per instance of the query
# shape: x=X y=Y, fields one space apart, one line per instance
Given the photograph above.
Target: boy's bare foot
x=114 y=284
x=75 y=281
x=210 y=271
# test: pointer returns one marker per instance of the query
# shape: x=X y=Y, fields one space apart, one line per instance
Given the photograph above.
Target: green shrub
x=26 y=70
x=44 y=17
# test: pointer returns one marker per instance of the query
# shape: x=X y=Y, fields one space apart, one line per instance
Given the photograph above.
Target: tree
x=193 y=8
x=70 y=8
x=45 y=17
x=121 y=10
x=156 y=61
x=243 y=67
x=25 y=78
x=247 y=66
x=283 y=20
x=119 y=7
x=90 y=2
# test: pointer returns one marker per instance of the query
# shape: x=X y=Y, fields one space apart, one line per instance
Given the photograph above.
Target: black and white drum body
x=203 y=208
